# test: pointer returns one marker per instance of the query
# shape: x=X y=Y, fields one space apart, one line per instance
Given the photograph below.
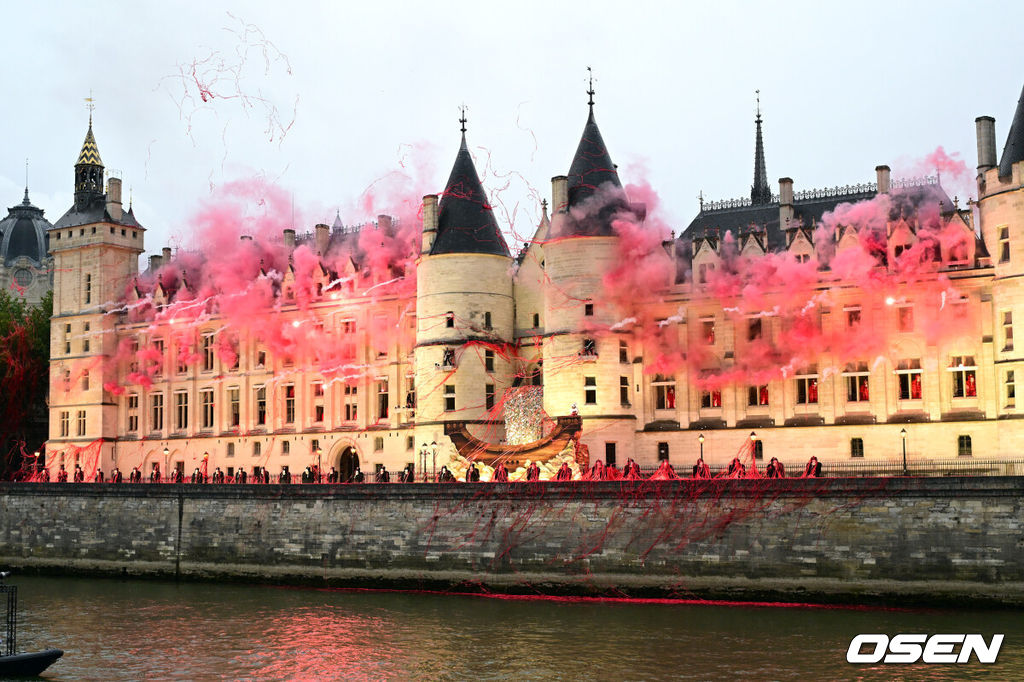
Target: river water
x=136 y=630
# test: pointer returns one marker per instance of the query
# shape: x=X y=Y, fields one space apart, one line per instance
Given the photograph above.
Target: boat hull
x=29 y=664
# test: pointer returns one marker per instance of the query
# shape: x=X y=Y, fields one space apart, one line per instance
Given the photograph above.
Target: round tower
x=464 y=310
x=1001 y=218
x=585 y=362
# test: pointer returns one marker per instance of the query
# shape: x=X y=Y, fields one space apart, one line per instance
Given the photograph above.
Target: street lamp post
x=423 y=461
x=903 y=436
x=433 y=465
x=701 y=439
x=753 y=449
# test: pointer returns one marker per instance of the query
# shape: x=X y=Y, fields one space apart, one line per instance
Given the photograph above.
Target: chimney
x=323 y=238
x=384 y=222
x=785 y=202
x=429 y=223
x=882 y=175
x=289 y=238
x=114 y=198
x=154 y=263
x=985 y=127
x=167 y=256
x=559 y=194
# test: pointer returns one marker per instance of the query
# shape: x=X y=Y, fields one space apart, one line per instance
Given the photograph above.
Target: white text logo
x=911 y=648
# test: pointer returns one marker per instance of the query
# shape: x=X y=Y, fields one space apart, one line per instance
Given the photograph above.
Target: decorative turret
x=465 y=221
x=88 y=172
x=760 y=192
x=464 y=307
x=592 y=166
x=1013 y=151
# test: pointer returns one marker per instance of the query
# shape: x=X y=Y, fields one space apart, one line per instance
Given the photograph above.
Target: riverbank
x=952 y=541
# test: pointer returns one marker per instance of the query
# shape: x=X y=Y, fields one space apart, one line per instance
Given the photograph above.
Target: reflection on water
x=132 y=630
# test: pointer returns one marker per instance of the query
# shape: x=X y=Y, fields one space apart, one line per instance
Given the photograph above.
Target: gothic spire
x=760 y=192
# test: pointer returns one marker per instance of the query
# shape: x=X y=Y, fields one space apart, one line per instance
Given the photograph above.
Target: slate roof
x=23 y=233
x=1013 y=151
x=806 y=212
x=592 y=164
x=465 y=221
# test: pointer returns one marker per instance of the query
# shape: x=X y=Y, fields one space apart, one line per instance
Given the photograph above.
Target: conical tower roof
x=592 y=165
x=1014 y=149
x=465 y=221
x=90 y=154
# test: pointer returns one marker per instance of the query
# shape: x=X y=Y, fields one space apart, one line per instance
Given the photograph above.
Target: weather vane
x=757 y=94
x=462 y=118
x=590 y=89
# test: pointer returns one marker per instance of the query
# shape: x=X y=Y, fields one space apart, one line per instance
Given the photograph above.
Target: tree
x=24 y=378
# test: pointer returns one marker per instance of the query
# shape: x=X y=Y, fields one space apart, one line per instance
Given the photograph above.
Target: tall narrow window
x=609 y=454
x=351 y=403
x=489 y=396
x=81 y=423
x=487 y=320
x=588 y=309
x=449 y=320
x=261 y=405
x=964 y=382
x=623 y=352
x=1004 y=244
x=85 y=380
x=156 y=402
x=1011 y=389
x=489 y=360
x=234 y=406
x=754 y=329
x=133 y=413
x=65 y=424
x=1007 y=330
x=624 y=391
x=906 y=318
x=318 y=401
x=181 y=410
x=85 y=341
x=590 y=390
x=158 y=362
x=88 y=289
x=383 y=399
x=857 y=448
x=707 y=330
x=207 y=352
x=449 y=398
x=206 y=405
x=231 y=450
x=536 y=320
x=289 y=404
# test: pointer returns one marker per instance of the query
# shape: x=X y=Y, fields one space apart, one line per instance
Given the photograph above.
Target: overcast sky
x=324 y=99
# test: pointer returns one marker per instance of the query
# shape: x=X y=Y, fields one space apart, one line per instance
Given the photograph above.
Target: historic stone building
x=25 y=264
x=664 y=372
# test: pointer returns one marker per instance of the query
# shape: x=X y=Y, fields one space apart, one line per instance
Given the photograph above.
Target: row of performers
x=598 y=472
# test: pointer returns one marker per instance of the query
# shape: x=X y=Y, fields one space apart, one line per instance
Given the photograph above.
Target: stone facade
x=541 y=318
x=863 y=540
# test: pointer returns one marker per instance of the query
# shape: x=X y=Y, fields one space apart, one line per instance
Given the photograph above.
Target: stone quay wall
x=879 y=541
